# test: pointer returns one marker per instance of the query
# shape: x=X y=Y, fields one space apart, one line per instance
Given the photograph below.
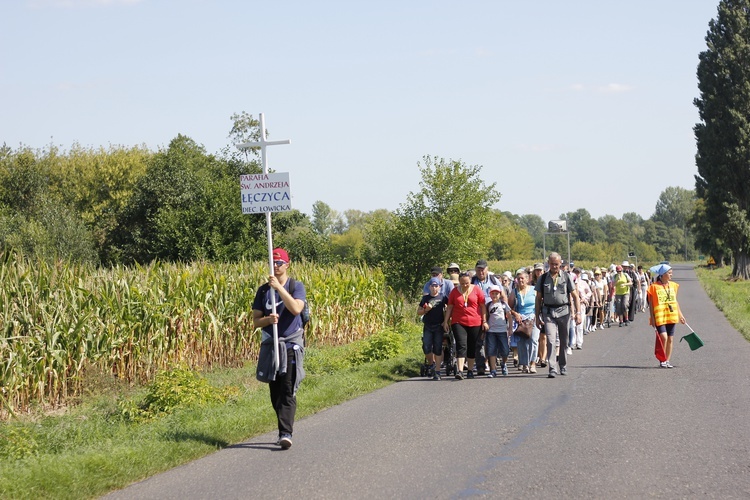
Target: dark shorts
x=497 y=344
x=432 y=339
x=668 y=329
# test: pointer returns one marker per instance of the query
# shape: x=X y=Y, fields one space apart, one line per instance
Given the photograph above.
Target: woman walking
x=522 y=302
x=665 y=311
x=466 y=315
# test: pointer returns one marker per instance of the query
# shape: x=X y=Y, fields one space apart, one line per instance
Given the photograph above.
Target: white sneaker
x=568 y=351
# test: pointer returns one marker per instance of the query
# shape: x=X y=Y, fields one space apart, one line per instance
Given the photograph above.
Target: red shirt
x=469 y=312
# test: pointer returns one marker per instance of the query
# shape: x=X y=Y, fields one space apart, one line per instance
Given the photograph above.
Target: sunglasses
x=278 y=263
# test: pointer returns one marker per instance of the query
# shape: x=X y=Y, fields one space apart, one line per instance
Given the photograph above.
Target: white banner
x=262 y=193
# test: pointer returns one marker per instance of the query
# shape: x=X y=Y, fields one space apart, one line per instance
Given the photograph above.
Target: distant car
x=664 y=262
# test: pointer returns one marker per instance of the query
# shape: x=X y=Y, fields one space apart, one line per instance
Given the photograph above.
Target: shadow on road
x=257 y=446
x=618 y=366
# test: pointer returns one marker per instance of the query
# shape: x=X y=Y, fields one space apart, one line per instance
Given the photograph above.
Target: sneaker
x=504 y=370
x=552 y=374
x=563 y=371
x=663 y=364
x=579 y=347
x=543 y=364
x=620 y=324
x=669 y=365
x=470 y=374
x=459 y=375
x=492 y=374
x=532 y=369
x=285 y=441
x=436 y=376
x=431 y=370
x=568 y=351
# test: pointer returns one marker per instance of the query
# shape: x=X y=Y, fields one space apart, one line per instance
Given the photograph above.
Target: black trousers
x=631 y=308
x=282 y=396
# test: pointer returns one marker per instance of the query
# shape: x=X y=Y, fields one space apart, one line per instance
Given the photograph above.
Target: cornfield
x=58 y=320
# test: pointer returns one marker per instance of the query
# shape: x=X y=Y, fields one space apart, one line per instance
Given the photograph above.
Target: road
x=617 y=426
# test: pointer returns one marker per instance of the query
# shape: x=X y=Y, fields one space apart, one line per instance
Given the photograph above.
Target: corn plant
x=59 y=320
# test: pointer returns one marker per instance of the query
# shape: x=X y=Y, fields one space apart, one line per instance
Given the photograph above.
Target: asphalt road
x=617 y=426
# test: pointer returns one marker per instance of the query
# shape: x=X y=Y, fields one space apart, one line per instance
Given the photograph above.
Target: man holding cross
x=288 y=297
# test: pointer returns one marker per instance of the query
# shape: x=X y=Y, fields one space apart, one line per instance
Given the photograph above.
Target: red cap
x=618 y=268
x=280 y=254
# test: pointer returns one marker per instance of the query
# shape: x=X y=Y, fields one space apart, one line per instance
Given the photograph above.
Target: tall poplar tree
x=723 y=135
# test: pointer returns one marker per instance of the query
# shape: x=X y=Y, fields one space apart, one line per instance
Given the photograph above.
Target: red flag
x=659 y=349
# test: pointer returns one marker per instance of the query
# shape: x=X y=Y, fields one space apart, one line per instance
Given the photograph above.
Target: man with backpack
x=283 y=380
x=556 y=300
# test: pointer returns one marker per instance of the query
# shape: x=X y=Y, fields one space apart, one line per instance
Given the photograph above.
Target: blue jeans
x=571 y=331
x=528 y=349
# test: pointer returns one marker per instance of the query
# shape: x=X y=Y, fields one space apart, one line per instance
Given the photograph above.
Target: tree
x=583 y=227
x=723 y=134
x=674 y=207
x=507 y=240
x=325 y=220
x=186 y=207
x=705 y=239
x=444 y=221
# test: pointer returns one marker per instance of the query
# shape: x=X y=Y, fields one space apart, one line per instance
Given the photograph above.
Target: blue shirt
x=288 y=322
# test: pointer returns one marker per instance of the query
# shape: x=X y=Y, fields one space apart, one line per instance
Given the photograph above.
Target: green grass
x=730 y=296
x=91 y=449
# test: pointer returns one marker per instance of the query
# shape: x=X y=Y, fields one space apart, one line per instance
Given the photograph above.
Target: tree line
x=128 y=205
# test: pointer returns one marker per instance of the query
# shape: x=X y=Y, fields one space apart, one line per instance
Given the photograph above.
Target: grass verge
x=92 y=449
x=730 y=296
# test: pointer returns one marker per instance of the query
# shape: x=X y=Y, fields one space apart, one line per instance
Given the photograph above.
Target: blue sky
x=565 y=105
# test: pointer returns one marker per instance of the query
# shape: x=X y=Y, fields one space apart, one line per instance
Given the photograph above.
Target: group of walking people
x=489 y=316
x=492 y=318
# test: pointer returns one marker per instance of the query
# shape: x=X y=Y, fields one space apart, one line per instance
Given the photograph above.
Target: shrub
x=171 y=390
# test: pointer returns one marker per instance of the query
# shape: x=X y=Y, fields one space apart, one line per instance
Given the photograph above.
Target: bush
x=171 y=390
x=383 y=345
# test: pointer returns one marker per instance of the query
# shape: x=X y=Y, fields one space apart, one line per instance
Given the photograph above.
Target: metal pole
x=269 y=234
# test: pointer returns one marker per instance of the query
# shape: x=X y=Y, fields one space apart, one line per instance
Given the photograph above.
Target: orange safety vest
x=663 y=302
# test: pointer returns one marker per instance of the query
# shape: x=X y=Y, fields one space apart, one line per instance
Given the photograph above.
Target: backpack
x=305 y=314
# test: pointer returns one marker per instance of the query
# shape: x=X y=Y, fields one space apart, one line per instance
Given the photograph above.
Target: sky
x=564 y=105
